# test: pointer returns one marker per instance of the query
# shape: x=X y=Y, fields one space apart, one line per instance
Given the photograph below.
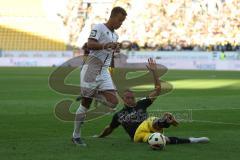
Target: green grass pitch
x=30 y=130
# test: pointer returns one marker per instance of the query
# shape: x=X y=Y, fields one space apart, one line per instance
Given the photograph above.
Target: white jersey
x=102 y=34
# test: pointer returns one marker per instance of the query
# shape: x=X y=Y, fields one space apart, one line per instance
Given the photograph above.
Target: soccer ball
x=157 y=141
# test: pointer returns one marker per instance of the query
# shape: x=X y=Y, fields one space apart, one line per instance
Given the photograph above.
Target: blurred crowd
x=212 y=25
x=73 y=18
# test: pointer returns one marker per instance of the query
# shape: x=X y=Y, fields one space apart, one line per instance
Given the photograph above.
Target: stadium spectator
x=201 y=25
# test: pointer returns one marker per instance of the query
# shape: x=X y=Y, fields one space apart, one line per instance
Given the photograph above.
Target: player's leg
x=88 y=89
x=108 y=97
x=79 y=120
x=199 y=140
x=107 y=92
x=177 y=140
x=165 y=122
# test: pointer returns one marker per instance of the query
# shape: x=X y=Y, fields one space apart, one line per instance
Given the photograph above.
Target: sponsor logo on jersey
x=93 y=33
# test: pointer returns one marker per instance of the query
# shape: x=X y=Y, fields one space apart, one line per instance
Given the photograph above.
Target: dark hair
x=116 y=10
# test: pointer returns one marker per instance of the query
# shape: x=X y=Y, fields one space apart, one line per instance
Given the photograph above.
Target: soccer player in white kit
x=96 y=81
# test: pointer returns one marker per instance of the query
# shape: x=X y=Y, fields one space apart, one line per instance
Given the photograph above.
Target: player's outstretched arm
x=152 y=67
x=107 y=131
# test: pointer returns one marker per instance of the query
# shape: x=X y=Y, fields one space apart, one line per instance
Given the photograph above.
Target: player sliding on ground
x=96 y=81
x=133 y=117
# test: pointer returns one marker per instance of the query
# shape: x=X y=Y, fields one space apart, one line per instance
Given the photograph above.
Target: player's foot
x=199 y=140
x=79 y=142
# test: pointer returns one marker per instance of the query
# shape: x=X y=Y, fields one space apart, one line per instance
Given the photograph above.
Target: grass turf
x=30 y=130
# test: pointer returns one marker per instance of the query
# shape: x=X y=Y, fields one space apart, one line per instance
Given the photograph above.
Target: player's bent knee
x=113 y=102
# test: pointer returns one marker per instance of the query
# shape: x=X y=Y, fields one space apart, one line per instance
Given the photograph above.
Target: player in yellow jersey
x=145 y=129
x=155 y=124
x=152 y=125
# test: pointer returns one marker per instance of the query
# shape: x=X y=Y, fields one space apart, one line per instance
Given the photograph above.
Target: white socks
x=199 y=140
x=79 y=119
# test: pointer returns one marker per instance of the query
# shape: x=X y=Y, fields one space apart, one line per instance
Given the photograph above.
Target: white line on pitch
x=195 y=109
x=225 y=123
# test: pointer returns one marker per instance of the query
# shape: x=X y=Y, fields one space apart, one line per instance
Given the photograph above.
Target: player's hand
x=151 y=66
x=118 y=47
x=171 y=119
x=112 y=46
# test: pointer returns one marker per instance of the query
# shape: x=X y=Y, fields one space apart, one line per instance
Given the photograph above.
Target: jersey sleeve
x=95 y=32
x=115 y=123
x=145 y=102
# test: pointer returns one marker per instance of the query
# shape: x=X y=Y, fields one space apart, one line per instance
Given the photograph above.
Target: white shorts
x=93 y=79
